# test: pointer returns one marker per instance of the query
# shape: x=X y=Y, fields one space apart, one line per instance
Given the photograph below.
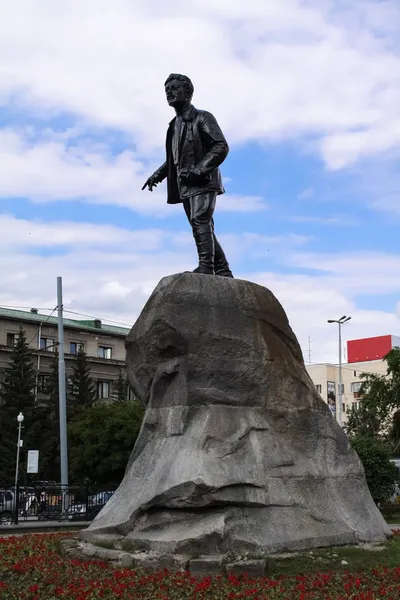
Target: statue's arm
x=161 y=172
x=156 y=178
x=214 y=140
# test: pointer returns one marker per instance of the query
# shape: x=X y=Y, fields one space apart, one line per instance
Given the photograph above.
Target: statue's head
x=178 y=89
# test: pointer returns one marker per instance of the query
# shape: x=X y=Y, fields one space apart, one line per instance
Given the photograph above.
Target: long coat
x=201 y=144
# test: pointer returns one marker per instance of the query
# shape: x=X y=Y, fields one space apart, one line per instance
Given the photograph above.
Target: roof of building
x=88 y=325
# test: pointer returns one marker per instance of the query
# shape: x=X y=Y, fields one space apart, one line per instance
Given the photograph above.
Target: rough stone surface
x=237 y=453
x=250 y=567
x=126 y=560
x=206 y=565
x=155 y=562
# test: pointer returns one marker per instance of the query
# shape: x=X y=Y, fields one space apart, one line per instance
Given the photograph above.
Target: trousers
x=200 y=211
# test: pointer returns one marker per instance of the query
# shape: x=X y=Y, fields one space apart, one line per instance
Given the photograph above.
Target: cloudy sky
x=307 y=93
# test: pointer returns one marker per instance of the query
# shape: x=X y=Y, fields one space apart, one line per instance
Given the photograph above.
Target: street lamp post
x=339 y=403
x=20 y=419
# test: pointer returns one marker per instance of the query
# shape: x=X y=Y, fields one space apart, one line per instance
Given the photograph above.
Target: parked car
x=7 y=506
x=94 y=505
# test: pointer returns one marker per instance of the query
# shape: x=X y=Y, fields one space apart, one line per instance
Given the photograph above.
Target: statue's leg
x=221 y=264
x=199 y=210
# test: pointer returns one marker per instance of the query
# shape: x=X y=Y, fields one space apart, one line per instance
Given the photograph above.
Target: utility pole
x=339 y=402
x=62 y=393
x=38 y=363
x=20 y=419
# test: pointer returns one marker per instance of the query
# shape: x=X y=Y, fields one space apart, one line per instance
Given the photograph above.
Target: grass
x=330 y=559
x=391 y=514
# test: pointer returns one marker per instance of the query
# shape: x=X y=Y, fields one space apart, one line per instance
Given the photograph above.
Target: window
x=331 y=386
x=355 y=405
x=74 y=347
x=343 y=407
x=355 y=373
x=103 y=389
x=104 y=352
x=47 y=344
x=355 y=387
x=11 y=339
x=43 y=382
x=318 y=387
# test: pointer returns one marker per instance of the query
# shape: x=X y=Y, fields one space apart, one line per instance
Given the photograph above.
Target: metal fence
x=52 y=502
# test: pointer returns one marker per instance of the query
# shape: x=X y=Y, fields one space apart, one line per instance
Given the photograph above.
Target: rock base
x=238 y=453
x=227 y=564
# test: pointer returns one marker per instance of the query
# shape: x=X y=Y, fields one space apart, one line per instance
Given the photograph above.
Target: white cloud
x=310 y=301
x=110 y=280
x=50 y=170
x=266 y=69
x=35 y=234
x=357 y=273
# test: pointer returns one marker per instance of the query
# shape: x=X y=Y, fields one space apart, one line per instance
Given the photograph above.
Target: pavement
x=34 y=526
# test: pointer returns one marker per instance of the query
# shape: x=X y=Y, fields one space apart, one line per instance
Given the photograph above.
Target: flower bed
x=32 y=568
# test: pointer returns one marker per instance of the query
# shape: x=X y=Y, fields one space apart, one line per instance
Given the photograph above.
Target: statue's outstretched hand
x=150 y=183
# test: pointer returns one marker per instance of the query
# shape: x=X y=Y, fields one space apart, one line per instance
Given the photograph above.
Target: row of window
x=50 y=345
x=103 y=387
x=355 y=387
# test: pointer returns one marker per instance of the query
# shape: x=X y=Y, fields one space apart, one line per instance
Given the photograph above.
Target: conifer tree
x=81 y=388
x=49 y=422
x=17 y=395
x=121 y=388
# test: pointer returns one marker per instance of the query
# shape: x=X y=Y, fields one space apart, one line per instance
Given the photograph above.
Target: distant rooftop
x=88 y=325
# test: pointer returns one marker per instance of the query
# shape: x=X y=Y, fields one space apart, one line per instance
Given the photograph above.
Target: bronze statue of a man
x=195 y=148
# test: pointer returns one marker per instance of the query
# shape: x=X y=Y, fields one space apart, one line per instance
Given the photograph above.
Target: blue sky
x=307 y=93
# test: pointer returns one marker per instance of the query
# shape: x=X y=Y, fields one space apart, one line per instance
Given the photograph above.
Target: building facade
x=364 y=356
x=103 y=344
x=326 y=379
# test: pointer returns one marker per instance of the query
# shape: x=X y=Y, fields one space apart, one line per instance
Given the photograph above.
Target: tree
x=381 y=474
x=81 y=389
x=121 y=389
x=101 y=439
x=17 y=395
x=49 y=422
x=374 y=428
x=376 y=415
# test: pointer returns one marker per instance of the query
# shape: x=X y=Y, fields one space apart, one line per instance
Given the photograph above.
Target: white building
x=326 y=379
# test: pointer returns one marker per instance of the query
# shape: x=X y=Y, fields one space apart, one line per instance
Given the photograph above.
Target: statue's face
x=176 y=93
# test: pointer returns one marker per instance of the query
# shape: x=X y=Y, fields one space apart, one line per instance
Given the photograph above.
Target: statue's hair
x=186 y=81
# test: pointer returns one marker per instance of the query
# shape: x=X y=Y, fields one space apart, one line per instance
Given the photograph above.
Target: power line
x=73 y=312
x=42 y=323
x=22 y=307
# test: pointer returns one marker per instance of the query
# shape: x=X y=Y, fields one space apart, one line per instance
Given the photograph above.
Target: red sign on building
x=374 y=348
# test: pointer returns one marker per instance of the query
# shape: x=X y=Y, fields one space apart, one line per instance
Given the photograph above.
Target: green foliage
x=101 y=439
x=49 y=422
x=17 y=395
x=381 y=474
x=380 y=400
x=121 y=388
x=81 y=388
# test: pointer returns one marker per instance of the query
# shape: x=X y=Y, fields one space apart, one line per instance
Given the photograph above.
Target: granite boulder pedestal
x=238 y=454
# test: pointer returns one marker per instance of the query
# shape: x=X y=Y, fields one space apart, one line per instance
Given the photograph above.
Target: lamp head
x=20 y=417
